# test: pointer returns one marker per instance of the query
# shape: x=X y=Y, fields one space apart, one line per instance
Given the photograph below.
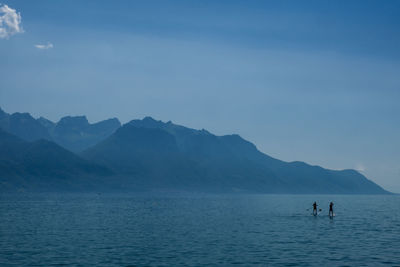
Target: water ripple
x=258 y=230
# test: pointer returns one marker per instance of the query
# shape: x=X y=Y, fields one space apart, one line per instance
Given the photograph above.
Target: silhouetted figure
x=331 y=209
x=315 y=212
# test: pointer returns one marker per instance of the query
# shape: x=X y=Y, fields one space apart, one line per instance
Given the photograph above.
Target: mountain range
x=143 y=155
x=72 y=133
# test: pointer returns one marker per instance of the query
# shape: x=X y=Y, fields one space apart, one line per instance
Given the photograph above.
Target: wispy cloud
x=10 y=22
x=360 y=167
x=44 y=46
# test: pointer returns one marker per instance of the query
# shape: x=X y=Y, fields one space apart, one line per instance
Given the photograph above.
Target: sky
x=313 y=81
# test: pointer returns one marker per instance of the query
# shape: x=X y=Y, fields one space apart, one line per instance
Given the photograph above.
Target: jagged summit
x=24 y=126
x=149 y=122
x=74 y=133
x=73 y=121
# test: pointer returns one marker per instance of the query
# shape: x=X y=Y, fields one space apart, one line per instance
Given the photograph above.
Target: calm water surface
x=198 y=230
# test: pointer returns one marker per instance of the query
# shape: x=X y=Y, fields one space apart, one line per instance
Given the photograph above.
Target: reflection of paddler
x=331 y=209
x=315 y=212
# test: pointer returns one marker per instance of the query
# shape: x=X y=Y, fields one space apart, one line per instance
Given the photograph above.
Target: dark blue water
x=126 y=230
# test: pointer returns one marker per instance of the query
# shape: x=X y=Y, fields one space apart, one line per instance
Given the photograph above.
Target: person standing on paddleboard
x=315 y=212
x=331 y=209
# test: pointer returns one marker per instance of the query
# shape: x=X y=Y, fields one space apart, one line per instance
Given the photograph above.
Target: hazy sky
x=316 y=81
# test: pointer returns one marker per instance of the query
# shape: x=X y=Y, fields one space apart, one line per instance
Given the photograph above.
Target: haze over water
x=198 y=230
x=313 y=81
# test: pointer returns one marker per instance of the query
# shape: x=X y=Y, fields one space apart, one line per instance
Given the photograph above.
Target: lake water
x=198 y=230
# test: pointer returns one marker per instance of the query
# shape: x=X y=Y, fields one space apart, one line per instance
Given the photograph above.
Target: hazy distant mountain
x=161 y=155
x=151 y=155
x=44 y=166
x=77 y=134
x=72 y=133
x=48 y=124
x=23 y=125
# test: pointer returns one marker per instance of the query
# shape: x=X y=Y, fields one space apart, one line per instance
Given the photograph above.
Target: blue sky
x=316 y=81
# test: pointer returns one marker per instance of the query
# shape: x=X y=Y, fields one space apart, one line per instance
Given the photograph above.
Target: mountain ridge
x=225 y=162
x=148 y=154
x=74 y=133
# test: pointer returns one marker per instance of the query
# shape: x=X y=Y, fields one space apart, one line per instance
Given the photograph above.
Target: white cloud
x=10 y=22
x=44 y=46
